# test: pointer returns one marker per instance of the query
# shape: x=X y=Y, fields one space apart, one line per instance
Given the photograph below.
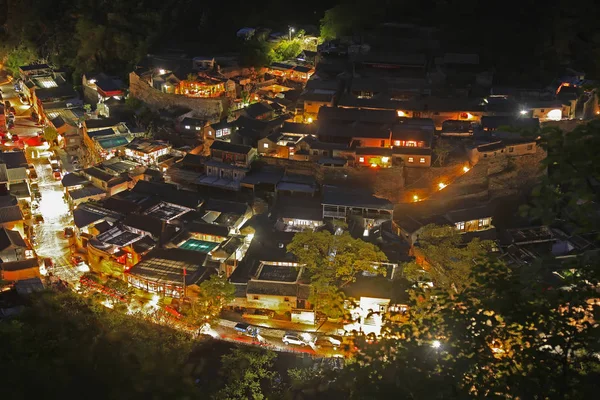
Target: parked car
x=328 y=341
x=246 y=329
x=293 y=338
x=68 y=232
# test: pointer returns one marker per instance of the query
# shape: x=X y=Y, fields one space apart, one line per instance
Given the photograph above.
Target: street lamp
x=290 y=31
x=436 y=344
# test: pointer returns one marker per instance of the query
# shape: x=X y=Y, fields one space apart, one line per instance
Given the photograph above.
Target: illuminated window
x=460 y=226
x=484 y=223
x=410 y=159
x=188 y=127
x=266 y=145
x=361 y=159
x=422 y=160
x=411 y=143
x=198 y=128
x=219 y=133
x=396 y=143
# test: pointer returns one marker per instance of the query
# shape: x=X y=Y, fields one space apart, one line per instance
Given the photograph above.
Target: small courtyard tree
x=50 y=134
x=214 y=294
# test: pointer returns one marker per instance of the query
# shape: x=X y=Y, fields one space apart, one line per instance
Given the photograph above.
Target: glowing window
x=422 y=160
x=266 y=145
x=188 y=127
x=410 y=159
x=396 y=143
x=361 y=159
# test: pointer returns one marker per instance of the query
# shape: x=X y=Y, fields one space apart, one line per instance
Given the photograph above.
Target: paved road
x=49 y=234
x=24 y=126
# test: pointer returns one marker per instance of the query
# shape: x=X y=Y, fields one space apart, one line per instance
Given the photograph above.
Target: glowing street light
x=161 y=71
x=436 y=344
x=291 y=30
x=310 y=120
x=441 y=185
x=523 y=112
x=465 y=169
x=415 y=198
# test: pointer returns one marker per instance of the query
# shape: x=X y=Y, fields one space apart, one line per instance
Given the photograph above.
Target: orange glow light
x=415 y=198
x=465 y=169
x=442 y=185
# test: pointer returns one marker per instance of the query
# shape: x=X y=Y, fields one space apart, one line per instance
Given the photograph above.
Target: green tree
x=21 y=55
x=50 y=134
x=447 y=262
x=332 y=262
x=214 y=294
x=248 y=374
x=285 y=50
x=67 y=339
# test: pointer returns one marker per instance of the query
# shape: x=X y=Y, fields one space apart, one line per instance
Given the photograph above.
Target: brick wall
x=211 y=109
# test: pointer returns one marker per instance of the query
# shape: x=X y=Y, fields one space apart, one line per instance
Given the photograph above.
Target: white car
x=293 y=338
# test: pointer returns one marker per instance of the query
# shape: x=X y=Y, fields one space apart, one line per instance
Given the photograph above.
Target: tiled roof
x=230 y=147
x=17 y=174
x=20 y=265
x=73 y=179
x=272 y=288
x=10 y=214
x=10 y=238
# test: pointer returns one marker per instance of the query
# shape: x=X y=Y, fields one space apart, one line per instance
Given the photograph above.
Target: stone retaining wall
x=211 y=109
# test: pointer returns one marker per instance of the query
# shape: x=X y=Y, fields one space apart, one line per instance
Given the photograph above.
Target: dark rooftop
x=10 y=214
x=145 y=223
x=13 y=159
x=257 y=109
x=73 y=179
x=354 y=115
x=10 y=238
x=165 y=266
x=101 y=123
x=86 y=191
x=272 y=288
x=230 y=147
x=338 y=196
x=277 y=273
x=208 y=229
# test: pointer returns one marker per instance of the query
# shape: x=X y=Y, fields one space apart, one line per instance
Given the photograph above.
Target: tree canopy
x=214 y=294
x=444 y=259
x=332 y=262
